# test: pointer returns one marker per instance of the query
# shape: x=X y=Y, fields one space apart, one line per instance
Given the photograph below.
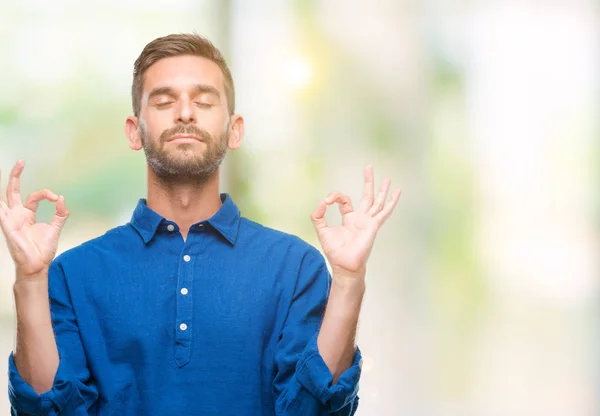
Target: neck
x=184 y=203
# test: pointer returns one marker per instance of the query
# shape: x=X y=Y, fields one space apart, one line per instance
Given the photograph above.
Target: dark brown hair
x=177 y=45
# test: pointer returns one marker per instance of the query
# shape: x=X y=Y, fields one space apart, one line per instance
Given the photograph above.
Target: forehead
x=181 y=72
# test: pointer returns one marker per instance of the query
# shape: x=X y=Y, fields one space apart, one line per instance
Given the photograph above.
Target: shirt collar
x=226 y=220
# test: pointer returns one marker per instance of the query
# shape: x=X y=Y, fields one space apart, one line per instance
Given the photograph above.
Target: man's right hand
x=32 y=245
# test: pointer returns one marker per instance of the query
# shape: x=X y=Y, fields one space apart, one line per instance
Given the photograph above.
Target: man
x=188 y=309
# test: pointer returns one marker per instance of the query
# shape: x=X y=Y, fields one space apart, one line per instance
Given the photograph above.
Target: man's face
x=183 y=120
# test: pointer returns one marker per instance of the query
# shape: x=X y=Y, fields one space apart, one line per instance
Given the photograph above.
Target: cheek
x=156 y=124
x=218 y=125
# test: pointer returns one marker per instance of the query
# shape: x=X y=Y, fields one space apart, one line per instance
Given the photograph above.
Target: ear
x=133 y=133
x=236 y=131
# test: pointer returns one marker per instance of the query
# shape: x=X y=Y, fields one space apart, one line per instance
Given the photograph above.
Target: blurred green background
x=483 y=286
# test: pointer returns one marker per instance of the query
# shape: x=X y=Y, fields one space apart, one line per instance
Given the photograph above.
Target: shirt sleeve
x=73 y=391
x=303 y=384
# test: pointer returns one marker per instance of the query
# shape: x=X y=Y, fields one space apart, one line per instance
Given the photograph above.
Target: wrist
x=31 y=284
x=348 y=286
x=38 y=273
x=351 y=280
x=346 y=295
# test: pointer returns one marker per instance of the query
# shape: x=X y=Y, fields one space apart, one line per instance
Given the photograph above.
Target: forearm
x=336 y=340
x=36 y=354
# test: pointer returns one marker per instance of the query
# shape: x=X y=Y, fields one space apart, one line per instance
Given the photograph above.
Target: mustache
x=185 y=129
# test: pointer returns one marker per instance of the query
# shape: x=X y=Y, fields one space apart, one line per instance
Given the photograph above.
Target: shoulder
x=295 y=250
x=261 y=234
x=107 y=244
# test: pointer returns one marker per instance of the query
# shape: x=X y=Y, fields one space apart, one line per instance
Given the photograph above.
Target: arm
x=36 y=355
x=32 y=247
x=72 y=390
x=337 y=336
x=347 y=248
x=38 y=382
x=303 y=385
x=325 y=377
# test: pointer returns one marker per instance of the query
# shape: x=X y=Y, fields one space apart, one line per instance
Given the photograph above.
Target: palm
x=347 y=246
x=32 y=245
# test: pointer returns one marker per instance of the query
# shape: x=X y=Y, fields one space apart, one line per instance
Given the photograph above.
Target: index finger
x=13 y=191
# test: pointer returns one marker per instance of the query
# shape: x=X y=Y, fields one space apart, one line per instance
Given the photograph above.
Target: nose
x=185 y=112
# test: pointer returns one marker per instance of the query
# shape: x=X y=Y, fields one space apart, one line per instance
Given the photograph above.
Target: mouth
x=185 y=138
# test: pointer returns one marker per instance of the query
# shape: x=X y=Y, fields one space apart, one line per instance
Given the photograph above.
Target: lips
x=185 y=136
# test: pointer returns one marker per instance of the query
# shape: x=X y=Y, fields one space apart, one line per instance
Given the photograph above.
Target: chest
x=145 y=309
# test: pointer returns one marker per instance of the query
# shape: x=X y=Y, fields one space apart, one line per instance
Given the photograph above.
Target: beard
x=183 y=165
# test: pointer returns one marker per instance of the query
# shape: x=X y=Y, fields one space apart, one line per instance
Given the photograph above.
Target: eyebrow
x=198 y=89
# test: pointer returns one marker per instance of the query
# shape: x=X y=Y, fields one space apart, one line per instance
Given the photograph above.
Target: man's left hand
x=347 y=247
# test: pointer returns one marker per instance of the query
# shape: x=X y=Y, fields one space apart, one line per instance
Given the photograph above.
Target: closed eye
x=164 y=104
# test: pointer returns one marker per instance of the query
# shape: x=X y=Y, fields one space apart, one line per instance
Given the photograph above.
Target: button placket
x=183 y=338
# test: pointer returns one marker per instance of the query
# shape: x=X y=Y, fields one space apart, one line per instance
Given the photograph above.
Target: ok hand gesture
x=32 y=245
x=347 y=247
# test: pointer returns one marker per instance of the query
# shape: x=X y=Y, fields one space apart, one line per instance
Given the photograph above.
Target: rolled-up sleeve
x=303 y=384
x=73 y=391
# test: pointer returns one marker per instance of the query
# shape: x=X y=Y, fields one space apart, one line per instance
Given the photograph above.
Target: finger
x=318 y=216
x=33 y=200
x=389 y=207
x=61 y=215
x=13 y=191
x=381 y=196
x=344 y=202
x=367 y=199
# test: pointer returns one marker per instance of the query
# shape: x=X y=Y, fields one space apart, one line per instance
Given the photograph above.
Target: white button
x=186 y=258
x=183 y=327
x=184 y=291
x=170 y=227
x=200 y=225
